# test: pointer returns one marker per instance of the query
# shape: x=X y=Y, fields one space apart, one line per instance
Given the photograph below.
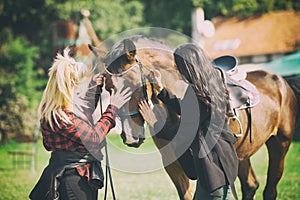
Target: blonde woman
x=65 y=112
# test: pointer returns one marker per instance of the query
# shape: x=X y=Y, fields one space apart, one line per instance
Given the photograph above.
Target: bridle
x=130 y=113
x=139 y=64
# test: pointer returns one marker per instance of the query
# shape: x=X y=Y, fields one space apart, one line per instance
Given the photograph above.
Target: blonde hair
x=65 y=89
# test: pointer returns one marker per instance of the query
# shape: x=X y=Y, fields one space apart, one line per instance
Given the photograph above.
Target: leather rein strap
x=99 y=98
x=107 y=168
x=143 y=79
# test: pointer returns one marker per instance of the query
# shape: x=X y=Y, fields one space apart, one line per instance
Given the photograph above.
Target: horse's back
x=273 y=86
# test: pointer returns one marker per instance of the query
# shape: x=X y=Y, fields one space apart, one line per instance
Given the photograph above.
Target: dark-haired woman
x=214 y=160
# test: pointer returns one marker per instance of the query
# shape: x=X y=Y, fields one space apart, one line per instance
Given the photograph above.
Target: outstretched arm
x=161 y=130
x=170 y=100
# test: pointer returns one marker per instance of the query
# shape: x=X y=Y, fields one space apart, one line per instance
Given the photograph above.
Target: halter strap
x=122 y=73
x=134 y=113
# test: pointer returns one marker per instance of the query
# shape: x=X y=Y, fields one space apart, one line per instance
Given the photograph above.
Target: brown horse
x=273 y=118
x=294 y=82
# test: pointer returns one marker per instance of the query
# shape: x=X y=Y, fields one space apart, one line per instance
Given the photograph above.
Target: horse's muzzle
x=136 y=143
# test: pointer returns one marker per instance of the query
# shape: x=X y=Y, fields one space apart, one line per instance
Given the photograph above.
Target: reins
x=143 y=79
x=107 y=168
x=99 y=98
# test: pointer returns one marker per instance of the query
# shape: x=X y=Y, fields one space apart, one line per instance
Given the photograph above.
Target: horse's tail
x=294 y=83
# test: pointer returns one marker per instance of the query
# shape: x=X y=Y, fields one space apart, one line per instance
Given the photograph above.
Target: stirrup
x=240 y=125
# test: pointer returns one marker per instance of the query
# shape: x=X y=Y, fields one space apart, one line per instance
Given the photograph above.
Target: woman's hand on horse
x=99 y=79
x=147 y=113
x=119 y=96
x=156 y=78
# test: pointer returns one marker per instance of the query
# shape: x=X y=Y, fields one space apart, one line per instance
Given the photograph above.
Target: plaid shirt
x=82 y=135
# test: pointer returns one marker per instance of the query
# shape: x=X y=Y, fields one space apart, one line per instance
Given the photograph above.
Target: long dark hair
x=197 y=69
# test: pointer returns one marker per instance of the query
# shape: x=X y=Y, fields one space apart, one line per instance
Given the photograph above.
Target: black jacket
x=47 y=186
x=205 y=149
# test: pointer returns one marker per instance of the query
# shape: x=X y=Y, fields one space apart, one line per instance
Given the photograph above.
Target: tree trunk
x=3 y=137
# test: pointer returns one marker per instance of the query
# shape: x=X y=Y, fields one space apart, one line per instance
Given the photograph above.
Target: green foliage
x=175 y=15
x=26 y=52
x=31 y=20
x=17 y=61
x=108 y=17
x=18 y=82
x=128 y=14
x=20 y=71
x=244 y=8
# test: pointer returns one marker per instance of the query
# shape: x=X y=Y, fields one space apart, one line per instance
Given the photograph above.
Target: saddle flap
x=243 y=94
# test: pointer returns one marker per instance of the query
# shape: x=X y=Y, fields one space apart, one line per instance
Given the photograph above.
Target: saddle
x=242 y=93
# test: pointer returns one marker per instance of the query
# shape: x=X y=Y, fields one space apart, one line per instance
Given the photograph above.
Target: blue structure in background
x=285 y=66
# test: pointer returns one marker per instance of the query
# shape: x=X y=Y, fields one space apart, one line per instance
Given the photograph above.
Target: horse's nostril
x=135 y=145
x=123 y=136
x=136 y=138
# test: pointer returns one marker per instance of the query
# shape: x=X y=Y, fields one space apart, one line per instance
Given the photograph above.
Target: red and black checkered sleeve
x=90 y=136
x=107 y=121
x=90 y=97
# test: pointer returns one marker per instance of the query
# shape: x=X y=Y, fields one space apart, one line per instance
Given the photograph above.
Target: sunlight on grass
x=16 y=181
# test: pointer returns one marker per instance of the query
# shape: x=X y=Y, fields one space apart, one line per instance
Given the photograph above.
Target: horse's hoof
x=270 y=194
x=249 y=193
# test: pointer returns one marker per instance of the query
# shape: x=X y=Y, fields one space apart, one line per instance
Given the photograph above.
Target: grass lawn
x=141 y=179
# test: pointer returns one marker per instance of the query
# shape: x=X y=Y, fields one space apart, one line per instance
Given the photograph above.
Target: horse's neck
x=163 y=62
x=172 y=81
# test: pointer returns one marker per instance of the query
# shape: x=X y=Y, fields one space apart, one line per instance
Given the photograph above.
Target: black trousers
x=75 y=187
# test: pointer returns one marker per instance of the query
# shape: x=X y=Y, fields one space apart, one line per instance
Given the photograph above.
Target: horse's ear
x=73 y=51
x=100 y=54
x=130 y=49
x=97 y=51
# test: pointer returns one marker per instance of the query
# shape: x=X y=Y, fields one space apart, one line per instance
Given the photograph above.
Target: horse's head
x=122 y=65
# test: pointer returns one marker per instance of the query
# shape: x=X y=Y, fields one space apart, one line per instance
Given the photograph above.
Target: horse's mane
x=144 y=46
x=160 y=56
x=142 y=41
x=154 y=51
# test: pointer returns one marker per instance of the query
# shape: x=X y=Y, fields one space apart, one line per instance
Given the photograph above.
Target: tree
x=244 y=8
x=18 y=84
x=175 y=15
x=34 y=20
x=108 y=17
x=26 y=48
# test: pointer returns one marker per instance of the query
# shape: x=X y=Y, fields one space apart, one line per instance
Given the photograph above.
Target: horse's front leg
x=174 y=170
x=180 y=180
x=248 y=179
